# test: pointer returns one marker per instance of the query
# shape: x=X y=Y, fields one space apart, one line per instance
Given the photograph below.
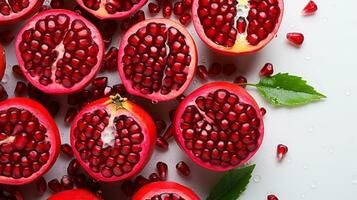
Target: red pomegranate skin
x=2 y=62
x=13 y=17
x=75 y=194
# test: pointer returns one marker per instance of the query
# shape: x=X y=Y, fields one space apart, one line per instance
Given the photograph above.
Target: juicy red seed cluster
x=156 y=59
x=166 y=196
x=220 y=129
x=111 y=6
x=24 y=147
x=13 y=6
x=39 y=50
x=221 y=22
x=103 y=158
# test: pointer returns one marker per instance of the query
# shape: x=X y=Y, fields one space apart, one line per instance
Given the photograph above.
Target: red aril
x=281 y=151
x=237 y=27
x=29 y=141
x=240 y=80
x=41 y=186
x=128 y=188
x=154 y=8
x=16 y=70
x=179 y=8
x=272 y=197
x=185 y=18
x=66 y=149
x=295 y=38
x=157 y=59
x=13 y=11
x=162 y=170
x=167 y=10
x=162 y=143
x=310 y=8
x=219 y=126
x=183 y=168
x=165 y=190
x=263 y=111
x=75 y=194
x=9 y=192
x=2 y=62
x=59 y=51
x=6 y=36
x=215 y=69
x=20 y=89
x=202 y=72
x=267 y=70
x=114 y=9
x=112 y=138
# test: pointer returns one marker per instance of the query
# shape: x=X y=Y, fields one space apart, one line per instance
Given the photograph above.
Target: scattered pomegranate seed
x=272 y=197
x=154 y=177
x=180 y=98
x=93 y=185
x=67 y=150
x=80 y=180
x=53 y=108
x=263 y=111
x=295 y=38
x=162 y=143
x=140 y=181
x=229 y=69
x=154 y=8
x=41 y=186
x=168 y=133
x=119 y=89
x=160 y=126
x=36 y=94
x=267 y=70
x=67 y=182
x=178 y=8
x=99 y=194
x=99 y=83
x=215 y=69
x=57 y=4
x=20 y=89
x=183 y=168
x=110 y=61
x=202 y=72
x=241 y=25
x=185 y=18
x=70 y=115
x=240 y=80
x=16 y=70
x=162 y=170
x=139 y=16
x=167 y=10
x=6 y=36
x=73 y=167
x=55 y=186
x=3 y=93
x=128 y=188
x=310 y=8
x=108 y=29
x=281 y=151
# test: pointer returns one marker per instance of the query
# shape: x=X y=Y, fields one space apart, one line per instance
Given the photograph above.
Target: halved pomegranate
x=12 y=11
x=113 y=138
x=157 y=59
x=75 y=194
x=29 y=141
x=165 y=190
x=113 y=9
x=236 y=27
x=2 y=62
x=219 y=126
x=59 y=51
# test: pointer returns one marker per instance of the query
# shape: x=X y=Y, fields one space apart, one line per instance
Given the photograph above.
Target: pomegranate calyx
x=117 y=100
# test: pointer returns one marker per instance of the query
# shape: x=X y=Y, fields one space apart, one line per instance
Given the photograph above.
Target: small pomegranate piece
x=162 y=143
x=183 y=168
x=73 y=167
x=128 y=188
x=41 y=186
x=67 y=182
x=66 y=149
x=240 y=80
x=139 y=16
x=160 y=126
x=6 y=36
x=16 y=70
x=167 y=10
x=185 y=18
x=215 y=69
x=281 y=151
x=20 y=89
x=295 y=38
x=57 y=4
x=202 y=72
x=263 y=111
x=154 y=8
x=272 y=197
x=267 y=70
x=55 y=186
x=153 y=177
x=310 y=8
x=15 y=11
x=74 y=194
x=70 y=115
x=162 y=170
x=168 y=133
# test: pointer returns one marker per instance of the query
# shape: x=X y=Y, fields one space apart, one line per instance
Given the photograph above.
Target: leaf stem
x=249 y=84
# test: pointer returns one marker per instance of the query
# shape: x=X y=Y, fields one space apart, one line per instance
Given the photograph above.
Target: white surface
x=321 y=137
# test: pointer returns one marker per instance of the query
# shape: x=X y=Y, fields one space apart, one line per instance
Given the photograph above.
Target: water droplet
x=257 y=178
x=307 y=58
x=305 y=167
x=314 y=185
x=325 y=19
x=330 y=150
x=154 y=101
x=348 y=93
x=5 y=79
x=292 y=25
x=354 y=180
x=311 y=129
x=302 y=196
x=195 y=82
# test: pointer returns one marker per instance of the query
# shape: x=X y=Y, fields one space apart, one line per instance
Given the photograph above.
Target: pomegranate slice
x=75 y=194
x=12 y=11
x=237 y=27
x=2 y=62
x=157 y=59
x=165 y=190
x=219 y=126
x=29 y=141
x=59 y=51
x=113 y=9
x=113 y=138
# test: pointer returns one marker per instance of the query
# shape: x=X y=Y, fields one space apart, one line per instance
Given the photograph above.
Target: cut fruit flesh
x=12 y=11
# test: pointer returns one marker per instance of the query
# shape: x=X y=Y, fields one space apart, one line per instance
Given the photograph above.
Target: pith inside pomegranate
x=165 y=190
x=12 y=11
x=113 y=138
x=59 y=51
x=75 y=194
x=29 y=141
x=219 y=126
x=157 y=59
x=237 y=26
x=111 y=9
x=2 y=62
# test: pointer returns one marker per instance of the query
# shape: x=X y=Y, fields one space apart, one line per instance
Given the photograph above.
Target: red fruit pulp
x=219 y=126
x=59 y=51
x=75 y=194
x=165 y=190
x=157 y=59
x=2 y=62
x=17 y=10
x=112 y=138
x=114 y=9
x=237 y=27
x=29 y=141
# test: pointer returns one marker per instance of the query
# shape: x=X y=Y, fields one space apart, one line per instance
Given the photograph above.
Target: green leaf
x=232 y=184
x=287 y=90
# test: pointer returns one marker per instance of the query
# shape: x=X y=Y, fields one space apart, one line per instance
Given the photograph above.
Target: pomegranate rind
x=75 y=194
x=55 y=88
x=243 y=96
x=160 y=187
x=101 y=13
x=2 y=62
x=141 y=117
x=192 y=68
x=34 y=5
x=241 y=48
x=52 y=134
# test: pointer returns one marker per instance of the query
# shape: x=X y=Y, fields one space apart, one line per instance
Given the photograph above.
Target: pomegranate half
x=219 y=126
x=13 y=11
x=114 y=9
x=157 y=59
x=75 y=194
x=29 y=141
x=2 y=62
x=59 y=51
x=165 y=190
x=236 y=27
x=113 y=138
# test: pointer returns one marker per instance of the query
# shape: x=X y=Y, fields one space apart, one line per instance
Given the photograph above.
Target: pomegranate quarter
x=59 y=51
x=157 y=59
x=237 y=27
x=13 y=11
x=29 y=141
x=219 y=126
x=113 y=138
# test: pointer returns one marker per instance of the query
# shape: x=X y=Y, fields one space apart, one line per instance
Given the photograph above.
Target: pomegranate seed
x=272 y=197
x=126 y=24
x=202 y=72
x=67 y=182
x=310 y=8
x=93 y=185
x=162 y=143
x=154 y=177
x=110 y=61
x=167 y=10
x=185 y=18
x=3 y=93
x=281 y=151
x=241 y=25
x=67 y=150
x=119 y=89
x=168 y=133
x=55 y=186
x=53 y=108
x=41 y=186
x=16 y=70
x=215 y=69
x=263 y=111
x=295 y=38
x=108 y=29
x=128 y=188
x=229 y=69
x=180 y=98
x=139 y=16
x=162 y=170
x=154 y=8
x=6 y=37
x=267 y=70
x=187 y=3
x=80 y=180
x=240 y=80
x=70 y=115
x=73 y=167
x=160 y=126
x=178 y=8
x=99 y=194
x=38 y=95
x=57 y=4
x=20 y=89
x=183 y=168
x=99 y=83
x=140 y=181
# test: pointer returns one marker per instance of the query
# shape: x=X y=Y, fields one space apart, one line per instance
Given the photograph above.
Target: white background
x=321 y=137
